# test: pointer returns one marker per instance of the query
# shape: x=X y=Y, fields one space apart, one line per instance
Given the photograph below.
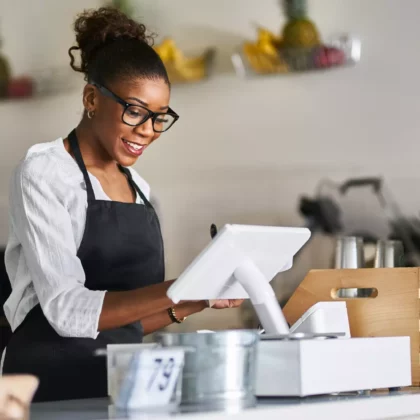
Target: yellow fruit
x=168 y=51
x=266 y=47
x=179 y=67
x=267 y=41
x=165 y=49
x=250 y=49
x=261 y=62
x=300 y=33
x=191 y=74
x=265 y=35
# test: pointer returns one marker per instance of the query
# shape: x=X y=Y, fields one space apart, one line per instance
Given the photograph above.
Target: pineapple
x=299 y=31
x=295 y=9
x=124 y=6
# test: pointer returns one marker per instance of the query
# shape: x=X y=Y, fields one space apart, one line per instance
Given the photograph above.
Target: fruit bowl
x=268 y=56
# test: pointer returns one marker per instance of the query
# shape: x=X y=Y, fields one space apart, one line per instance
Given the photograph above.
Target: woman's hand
x=16 y=393
x=226 y=303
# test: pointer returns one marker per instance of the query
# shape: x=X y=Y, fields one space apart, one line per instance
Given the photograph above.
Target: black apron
x=121 y=249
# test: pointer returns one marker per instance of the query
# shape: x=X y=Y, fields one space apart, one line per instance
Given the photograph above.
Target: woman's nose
x=145 y=130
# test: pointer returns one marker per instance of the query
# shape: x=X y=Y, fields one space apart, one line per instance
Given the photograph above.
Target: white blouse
x=48 y=202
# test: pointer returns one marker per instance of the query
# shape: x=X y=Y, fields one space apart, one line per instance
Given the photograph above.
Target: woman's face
x=121 y=142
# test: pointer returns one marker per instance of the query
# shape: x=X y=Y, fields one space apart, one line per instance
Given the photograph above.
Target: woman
x=85 y=253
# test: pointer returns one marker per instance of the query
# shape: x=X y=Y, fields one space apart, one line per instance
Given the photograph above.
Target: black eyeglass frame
x=150 y=114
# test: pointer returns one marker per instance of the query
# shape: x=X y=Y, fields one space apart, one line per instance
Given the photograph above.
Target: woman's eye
x=133 y=113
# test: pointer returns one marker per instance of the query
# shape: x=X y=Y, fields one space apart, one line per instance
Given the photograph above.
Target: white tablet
x=211 y=274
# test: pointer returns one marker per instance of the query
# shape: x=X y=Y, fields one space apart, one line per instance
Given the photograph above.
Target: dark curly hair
x=114 y=46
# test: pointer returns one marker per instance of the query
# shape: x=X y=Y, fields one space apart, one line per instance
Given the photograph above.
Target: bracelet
x=174 y=318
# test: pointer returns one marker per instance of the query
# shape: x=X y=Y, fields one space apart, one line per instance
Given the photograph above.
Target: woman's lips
x=134 y=149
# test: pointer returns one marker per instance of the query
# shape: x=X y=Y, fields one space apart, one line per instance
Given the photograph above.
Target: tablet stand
x=262 y=297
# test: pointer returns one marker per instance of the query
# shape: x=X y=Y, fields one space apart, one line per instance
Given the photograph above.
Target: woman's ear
x=89 y=97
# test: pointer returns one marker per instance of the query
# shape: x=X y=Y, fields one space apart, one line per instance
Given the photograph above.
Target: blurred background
x=246 y=149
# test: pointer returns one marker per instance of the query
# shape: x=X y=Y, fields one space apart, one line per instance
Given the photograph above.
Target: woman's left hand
x=226 y=303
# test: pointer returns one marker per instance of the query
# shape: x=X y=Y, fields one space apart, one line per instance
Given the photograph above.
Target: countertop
x=378 y=405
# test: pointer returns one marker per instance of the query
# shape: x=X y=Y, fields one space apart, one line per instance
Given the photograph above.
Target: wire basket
x=337 y=52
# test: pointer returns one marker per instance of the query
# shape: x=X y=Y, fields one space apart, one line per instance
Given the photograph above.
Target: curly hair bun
x=99 y=27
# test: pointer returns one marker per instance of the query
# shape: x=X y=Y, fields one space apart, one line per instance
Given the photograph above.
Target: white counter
x=380 y=406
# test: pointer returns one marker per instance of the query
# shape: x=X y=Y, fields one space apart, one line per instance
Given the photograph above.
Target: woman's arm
x=122 y=308
x=162 y=319
x=150 y=305
x=43 y=227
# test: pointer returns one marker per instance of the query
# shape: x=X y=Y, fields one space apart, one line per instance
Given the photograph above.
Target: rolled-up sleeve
x=43 y=227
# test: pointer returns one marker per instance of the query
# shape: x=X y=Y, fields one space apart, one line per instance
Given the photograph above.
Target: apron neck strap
x=74 y=147
x=127 y=173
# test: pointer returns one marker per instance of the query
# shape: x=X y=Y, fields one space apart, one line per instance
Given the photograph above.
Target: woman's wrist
x=199 y=305
x=190 y=308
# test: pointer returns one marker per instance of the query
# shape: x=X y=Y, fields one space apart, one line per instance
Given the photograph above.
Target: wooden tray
x=394 y=311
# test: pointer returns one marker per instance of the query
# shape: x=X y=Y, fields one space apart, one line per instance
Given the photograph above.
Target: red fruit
x=321 y=58
x=335 y=56
x=20 y=87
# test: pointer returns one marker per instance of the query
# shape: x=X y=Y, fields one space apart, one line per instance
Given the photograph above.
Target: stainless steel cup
x=349 y=252
x=219 y=369
x=389 y=254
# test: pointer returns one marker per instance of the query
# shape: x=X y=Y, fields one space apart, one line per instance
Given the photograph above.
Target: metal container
x=219 y=371
x=349 y=252
x=389 y=254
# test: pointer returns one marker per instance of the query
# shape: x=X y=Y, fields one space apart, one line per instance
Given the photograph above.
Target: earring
x=90 y=114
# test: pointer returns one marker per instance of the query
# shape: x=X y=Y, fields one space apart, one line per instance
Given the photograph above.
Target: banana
x=179 y=67
x=166 y=50
x=263 y=55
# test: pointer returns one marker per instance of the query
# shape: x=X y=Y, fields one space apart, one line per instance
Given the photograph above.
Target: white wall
x=243 y=151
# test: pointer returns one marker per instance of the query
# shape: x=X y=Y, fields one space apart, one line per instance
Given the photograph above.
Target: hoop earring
x=90 y=114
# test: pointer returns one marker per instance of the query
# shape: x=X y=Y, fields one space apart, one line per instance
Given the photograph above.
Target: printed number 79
x=166 y=369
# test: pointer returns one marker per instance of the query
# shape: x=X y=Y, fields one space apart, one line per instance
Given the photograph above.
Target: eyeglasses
x=135 y=115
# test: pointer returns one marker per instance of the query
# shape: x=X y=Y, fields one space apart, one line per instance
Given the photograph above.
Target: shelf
x=63 y=81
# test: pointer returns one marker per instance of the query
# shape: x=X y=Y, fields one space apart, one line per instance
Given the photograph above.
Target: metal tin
x=219 y=371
